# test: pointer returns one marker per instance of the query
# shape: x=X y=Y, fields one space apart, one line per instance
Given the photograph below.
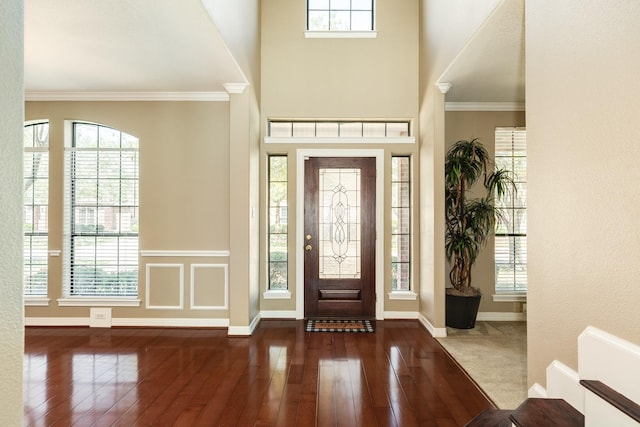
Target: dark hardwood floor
x=280 y=376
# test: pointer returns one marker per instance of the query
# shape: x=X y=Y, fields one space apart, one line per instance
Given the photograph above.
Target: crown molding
x=126 y=96
x=444 y=87
x=484 y=106
x=235 y=87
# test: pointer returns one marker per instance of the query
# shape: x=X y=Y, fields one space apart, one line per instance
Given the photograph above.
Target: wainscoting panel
x=165 y=289
x=209 y=287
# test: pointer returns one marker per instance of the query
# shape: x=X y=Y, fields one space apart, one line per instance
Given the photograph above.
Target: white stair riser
x=600 y=413
x=563 y=383
x=607 y=358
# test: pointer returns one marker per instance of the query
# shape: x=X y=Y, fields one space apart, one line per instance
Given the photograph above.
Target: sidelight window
x=400 y=223
x=278 y=215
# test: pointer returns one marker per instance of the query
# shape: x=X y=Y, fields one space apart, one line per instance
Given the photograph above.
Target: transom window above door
x=340 y=16
x=353 y=130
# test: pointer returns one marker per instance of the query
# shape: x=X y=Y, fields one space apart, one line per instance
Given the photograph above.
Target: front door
x=339 y=237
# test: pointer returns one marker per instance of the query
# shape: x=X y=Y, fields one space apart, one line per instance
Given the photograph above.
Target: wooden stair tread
x=616 y=399
x=546 y=413
x=491 y=418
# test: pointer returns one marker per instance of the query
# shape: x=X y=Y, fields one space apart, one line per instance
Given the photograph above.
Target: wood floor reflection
x=280 y=376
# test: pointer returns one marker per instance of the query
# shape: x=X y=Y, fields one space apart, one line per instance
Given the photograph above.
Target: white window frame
x=404 y=294
x=69 y=298
x=304 y=131
x=276 y=293
x=38 y=299
x=512 y=295
x=370 y=33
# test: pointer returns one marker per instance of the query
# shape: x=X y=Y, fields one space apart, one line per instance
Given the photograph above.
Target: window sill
x=277 y=294
x=403 y=295
x=510 y=298
x=340 y=34
x=98 y=302
x=36 y=301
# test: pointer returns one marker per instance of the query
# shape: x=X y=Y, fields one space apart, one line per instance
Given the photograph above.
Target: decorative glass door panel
x=339 y=223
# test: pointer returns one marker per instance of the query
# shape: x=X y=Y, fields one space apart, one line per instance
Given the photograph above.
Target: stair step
x=618 y=400
x=546 y=413
x=491 y=418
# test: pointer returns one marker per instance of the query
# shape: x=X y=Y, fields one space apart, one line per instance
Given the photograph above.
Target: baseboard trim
x=170 y=322
x=401 y=315
x=130 y=322
x=435 y=332
x=56 y=321
x=498 y=316
x=278 y=314
x=245 y=331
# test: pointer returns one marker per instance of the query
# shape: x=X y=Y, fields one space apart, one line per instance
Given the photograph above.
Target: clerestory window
x=340 y=15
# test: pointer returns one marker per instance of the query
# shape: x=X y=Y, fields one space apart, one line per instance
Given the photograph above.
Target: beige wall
x=345 y=78
x=583 y=62
x=445 y=28
x=11 y=122
x=339 y=78
x=184 y=196
x=482 y=125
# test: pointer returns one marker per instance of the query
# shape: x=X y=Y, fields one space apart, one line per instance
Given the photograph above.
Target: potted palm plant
x=469 y=222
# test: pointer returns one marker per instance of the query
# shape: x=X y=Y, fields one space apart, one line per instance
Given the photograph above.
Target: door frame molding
x=301 y=154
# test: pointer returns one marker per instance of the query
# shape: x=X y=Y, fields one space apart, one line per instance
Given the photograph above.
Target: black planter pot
x=461 y=312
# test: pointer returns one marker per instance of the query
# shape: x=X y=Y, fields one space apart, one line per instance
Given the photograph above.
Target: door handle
x=307 y=248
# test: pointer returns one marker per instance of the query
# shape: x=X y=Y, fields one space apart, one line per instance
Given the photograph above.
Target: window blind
x=101 y=212
x=36 y=209
x=511 y=230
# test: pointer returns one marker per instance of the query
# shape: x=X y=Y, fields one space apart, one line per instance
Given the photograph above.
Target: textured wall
x=11 y=122
x=583 y=63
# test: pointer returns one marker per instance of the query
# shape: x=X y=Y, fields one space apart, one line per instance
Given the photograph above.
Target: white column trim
x=435 y=332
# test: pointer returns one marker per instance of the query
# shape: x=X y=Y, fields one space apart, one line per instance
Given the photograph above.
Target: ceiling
x=124 y=46
x=171 y=46
x=491 y=67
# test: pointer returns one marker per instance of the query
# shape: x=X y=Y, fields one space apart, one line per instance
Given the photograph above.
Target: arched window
x=101 y=212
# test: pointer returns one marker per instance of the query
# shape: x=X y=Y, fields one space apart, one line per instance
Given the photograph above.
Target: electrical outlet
x=100 y=317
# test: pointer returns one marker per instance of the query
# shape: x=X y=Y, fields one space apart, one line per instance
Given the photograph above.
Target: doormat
x=315 y=325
